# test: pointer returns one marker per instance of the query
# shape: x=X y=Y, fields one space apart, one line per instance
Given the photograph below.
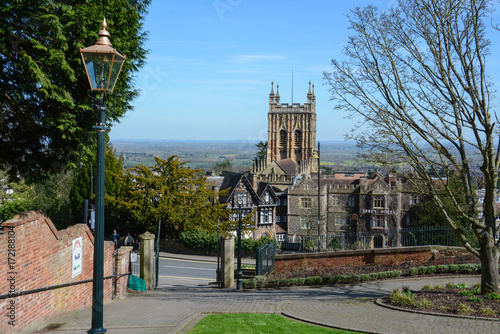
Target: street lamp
x=239 y=274
x=316 y=155
x=102 y=65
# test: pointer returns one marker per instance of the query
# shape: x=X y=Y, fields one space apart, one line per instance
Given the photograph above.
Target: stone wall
x=35 y=255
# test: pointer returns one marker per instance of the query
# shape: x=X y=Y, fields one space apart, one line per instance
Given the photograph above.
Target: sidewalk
x=351 y=307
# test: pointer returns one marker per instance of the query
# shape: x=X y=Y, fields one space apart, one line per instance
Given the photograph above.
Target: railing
x=407 y=237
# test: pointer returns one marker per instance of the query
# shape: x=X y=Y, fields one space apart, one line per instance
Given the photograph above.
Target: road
x=176 y=272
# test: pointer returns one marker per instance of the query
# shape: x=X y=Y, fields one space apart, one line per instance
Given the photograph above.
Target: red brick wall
x=33 y=255
x=413 y=256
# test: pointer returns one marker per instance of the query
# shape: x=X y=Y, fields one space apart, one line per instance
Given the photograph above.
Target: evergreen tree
x=46 y=115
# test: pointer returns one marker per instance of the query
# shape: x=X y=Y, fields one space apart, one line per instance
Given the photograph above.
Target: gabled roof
x=262 y=188
x=231 y=180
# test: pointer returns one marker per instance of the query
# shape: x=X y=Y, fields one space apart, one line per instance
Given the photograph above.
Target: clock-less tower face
x=291 y=128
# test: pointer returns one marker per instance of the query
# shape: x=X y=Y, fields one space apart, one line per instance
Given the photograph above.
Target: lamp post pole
x=98 y=284
x=319 y=200
x=102 y=65
x=239 y=277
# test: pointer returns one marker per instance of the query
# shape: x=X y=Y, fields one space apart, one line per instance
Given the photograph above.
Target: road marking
x=192 y=278
x=211 y=269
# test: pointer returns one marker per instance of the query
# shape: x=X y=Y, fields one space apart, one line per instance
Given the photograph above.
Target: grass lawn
x=257 y=323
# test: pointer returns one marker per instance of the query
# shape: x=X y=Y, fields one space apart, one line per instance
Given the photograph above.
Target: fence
x=265 y=258
x=407 y=237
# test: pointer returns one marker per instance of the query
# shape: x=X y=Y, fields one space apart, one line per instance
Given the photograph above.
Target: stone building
x=351 y=202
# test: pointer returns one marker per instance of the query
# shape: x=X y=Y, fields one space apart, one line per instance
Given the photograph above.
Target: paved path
x=176 y=309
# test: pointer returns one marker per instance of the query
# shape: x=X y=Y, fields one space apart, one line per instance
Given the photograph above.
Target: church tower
x=291 y=128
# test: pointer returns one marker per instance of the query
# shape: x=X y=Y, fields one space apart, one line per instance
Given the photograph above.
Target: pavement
x=177 y=308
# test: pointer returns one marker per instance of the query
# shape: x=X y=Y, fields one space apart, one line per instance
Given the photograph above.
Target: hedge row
x=201 y=239
x=469 y=268
x=260 y=282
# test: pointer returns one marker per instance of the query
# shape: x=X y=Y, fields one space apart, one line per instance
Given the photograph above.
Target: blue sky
x=211 y=62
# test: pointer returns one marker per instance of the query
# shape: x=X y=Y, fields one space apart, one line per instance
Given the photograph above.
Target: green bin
x=136 y=283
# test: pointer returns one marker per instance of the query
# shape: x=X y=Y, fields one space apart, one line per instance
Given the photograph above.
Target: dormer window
x=267 y=197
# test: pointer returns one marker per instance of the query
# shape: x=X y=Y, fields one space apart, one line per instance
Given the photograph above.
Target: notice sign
x=76 y=262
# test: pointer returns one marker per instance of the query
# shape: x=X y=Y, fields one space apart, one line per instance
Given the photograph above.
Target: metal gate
x=265 y=258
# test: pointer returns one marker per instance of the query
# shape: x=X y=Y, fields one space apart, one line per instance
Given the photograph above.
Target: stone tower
x=291 y=130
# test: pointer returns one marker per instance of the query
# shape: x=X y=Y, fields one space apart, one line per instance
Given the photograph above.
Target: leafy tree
x=81 y=186
x=46 y=117
x=262 y=153
x=170 y=191
x=416 y=76
x=223 y=166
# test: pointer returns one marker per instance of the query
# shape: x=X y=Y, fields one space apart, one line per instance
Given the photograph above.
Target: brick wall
x=35 y=255
x=414 y=256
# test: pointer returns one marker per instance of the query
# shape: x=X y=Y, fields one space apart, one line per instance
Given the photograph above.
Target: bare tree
x=416 y=76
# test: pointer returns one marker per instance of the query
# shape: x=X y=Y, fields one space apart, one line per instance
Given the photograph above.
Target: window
x=280 y=237
x=481 y=199
x=278 y=202
x=245 y=199
x=284 y=219
x=335 y=200
x=305 y=203
x=378 y=202
x=338 y=220
x=378 y=222
x=304 y=223
x=298 y=139
x=351 y=201
x=267 y=197
x=415 y=200
x=284 y=201
x=278 y=219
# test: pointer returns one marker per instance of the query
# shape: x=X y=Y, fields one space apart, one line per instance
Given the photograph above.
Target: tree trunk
x=489 y=269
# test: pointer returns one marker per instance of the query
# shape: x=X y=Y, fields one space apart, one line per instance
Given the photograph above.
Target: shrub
x=450 y=285
x=442 y=268
x=487 y=312
x=426 y=287
x=400 y=298
x=329 y=280
x=198 y=239
x=373 y=276
x=475 y=299
x=437 y=286
x=422 y=270
x=476 y=291
x=382 y=275
x=431 y=269
x=464 y=309
x=460 y=286
x=453 y=268
x=313 y=280
x=413 y=271
x=271 y=283
x=467 y=268
x=396 y=273
x=301 y=281
x=493 y=296
x=249 y=284
x=424 y=303
x=465 y=293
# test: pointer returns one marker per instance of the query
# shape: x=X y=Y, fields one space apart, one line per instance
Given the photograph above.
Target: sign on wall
x=77 y=254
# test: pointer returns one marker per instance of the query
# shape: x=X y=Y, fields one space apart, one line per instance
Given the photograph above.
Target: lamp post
x=102 y=65
x=239 y=274
x=316 y=155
